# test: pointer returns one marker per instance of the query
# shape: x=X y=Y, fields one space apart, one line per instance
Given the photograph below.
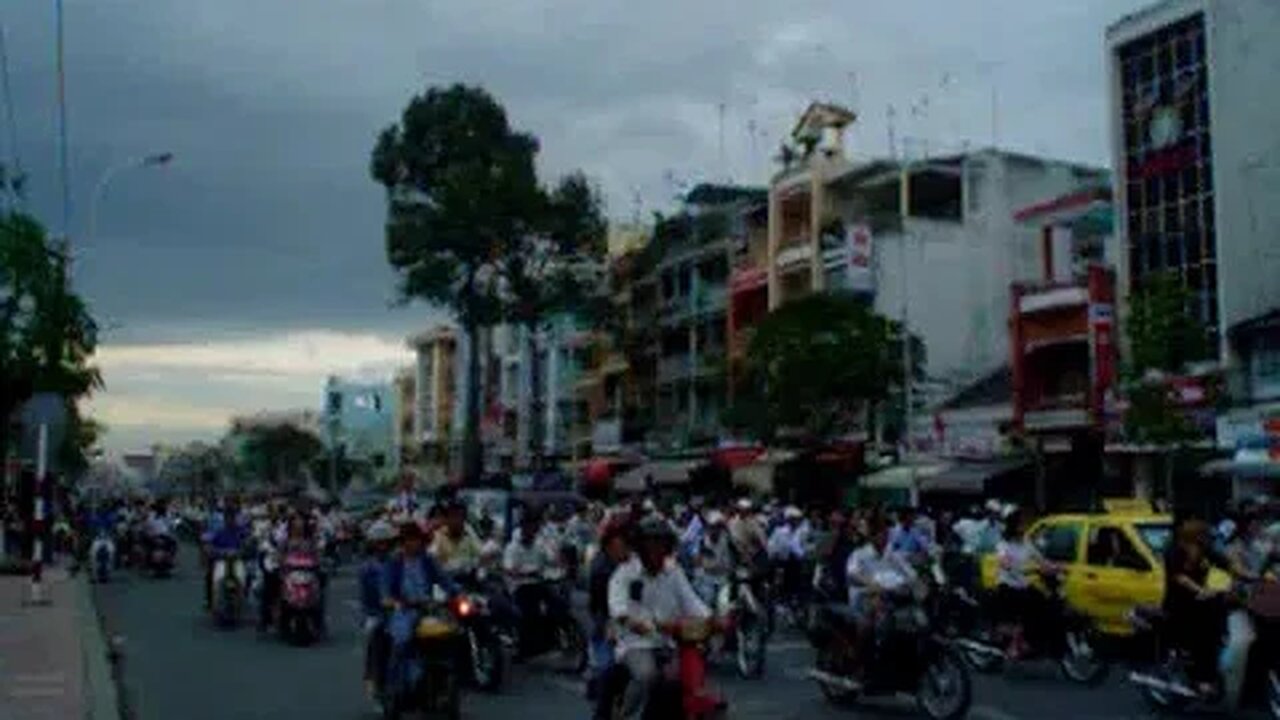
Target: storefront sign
x=861 y=275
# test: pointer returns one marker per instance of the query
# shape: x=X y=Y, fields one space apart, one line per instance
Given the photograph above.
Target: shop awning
x=663 y=472
x=1232 y=467
x=899 y=477
x=758 y=476
x=970 y=478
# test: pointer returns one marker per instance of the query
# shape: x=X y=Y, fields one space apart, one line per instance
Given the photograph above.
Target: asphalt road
x=177 y=665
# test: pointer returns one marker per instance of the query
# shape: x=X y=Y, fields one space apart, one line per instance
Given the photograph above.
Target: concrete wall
x=1243 y=41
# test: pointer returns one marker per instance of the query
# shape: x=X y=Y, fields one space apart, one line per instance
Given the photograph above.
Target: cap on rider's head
x=744 y=504
x=715 y=517
x=792 y=513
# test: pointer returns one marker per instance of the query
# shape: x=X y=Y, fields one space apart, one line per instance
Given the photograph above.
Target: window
x=1156 y=536
x=1110 y=547
x=1059 y=543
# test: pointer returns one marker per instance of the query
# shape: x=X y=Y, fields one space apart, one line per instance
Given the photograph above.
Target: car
x=1112 y=561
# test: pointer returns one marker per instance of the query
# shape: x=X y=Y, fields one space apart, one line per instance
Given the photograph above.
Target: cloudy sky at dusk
x=238 y=277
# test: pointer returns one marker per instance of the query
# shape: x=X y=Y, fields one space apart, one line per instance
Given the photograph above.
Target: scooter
x=102 y=557
x=485 y=646
x=746 y=635
x=425 y=676
x=908 y=657
x=229 y=583
x=300 y=614
x=682 y=690
x=161 y=555
x=554 y=628
x=1166 y=684
x=1066 y=636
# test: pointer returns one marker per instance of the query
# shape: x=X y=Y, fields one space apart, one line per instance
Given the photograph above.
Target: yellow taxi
x=1112 y=561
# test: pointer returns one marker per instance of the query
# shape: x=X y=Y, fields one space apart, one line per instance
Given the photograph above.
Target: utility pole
x=63 y=162
x=904 y=211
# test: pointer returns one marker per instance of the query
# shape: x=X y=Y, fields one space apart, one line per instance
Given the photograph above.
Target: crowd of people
x=645 y=564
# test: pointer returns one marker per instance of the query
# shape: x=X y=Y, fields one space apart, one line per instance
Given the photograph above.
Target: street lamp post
x=154 y=160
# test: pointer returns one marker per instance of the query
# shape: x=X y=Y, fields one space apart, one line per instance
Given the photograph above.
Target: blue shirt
x=907 y=541
x=102 y=521
x=373 y=585
x=414 y=578
x=229 y=538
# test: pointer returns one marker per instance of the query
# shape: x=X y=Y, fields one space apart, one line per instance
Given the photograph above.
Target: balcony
x=675 y=367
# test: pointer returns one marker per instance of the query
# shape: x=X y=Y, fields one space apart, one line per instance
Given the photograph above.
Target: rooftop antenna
x=724 y=168
x=891 y=116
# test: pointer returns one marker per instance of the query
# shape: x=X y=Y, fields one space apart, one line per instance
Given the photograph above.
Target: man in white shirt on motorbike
x=875 y=571
x=648 y=594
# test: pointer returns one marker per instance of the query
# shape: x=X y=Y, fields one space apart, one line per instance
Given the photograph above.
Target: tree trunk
x=472 y=458
x=536 y=410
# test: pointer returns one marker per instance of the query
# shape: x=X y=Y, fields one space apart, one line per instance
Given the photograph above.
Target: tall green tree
x=816 y=366
x=279 y=452
x=470 y=228
x=47 y=335
x=462 y=193
x=1164 y=337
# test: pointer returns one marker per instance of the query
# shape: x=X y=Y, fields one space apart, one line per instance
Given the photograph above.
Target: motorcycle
x=228 y=576
x=486 y=643
x=300 y=612
x=101 y=554
x=1166 y=683
x=746 y=635
x=908 y=656
x=681 y=690
x=553 y=628
x=427 y=676
x=161 y=555
x=1064 y=635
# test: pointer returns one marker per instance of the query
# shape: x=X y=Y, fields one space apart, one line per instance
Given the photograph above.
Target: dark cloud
x=267 y=220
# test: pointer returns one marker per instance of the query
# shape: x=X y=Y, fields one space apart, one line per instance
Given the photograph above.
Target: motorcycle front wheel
x=946 y=690
x=750 y=653
x=571 y=646
x=831 y=660
x=486 y=661
x=1080 y=661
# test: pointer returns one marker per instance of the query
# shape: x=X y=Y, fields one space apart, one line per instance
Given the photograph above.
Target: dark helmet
x=654 y=529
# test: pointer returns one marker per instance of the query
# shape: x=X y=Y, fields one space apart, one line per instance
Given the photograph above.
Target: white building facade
x=1196 y=148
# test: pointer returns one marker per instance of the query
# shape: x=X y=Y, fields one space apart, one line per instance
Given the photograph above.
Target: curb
x=102 y=697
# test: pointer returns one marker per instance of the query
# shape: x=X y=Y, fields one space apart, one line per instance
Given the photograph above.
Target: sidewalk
x=51 y=656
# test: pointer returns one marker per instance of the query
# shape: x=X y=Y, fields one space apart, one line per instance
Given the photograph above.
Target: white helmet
x=380 y=531
x=715 y=517
x=792 y=513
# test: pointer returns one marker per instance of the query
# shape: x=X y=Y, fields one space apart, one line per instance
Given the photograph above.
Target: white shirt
x=886 y=570
x=525 y=560
x=1014 y=562
x=664 y=597
x=786 y=543
x=747 y=535
x=159 y=524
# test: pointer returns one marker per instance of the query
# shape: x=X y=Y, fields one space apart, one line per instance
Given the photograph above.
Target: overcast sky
x=238 y=277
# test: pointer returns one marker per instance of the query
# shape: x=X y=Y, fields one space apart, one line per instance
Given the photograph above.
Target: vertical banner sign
x=1102 y=328
x=861 y=277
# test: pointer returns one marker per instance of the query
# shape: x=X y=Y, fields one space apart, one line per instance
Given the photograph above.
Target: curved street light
x=154 y=160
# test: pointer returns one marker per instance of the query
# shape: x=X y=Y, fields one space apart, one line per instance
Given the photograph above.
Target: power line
x=11 y=121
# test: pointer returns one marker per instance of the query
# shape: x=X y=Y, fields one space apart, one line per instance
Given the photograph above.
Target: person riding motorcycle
x=1018 y=602
x=226 y=542
x=380 y=536
x=454 y=548
x=647 y=594
x=614 y=550
x=412 y=577
x=102 y=524
x=787 y=553
x=1197 y=613
x=525 y=562
x=873 y=572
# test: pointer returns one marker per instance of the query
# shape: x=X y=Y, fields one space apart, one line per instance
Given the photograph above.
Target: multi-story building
x=677 y=350
x=436 y=390
x=1197 y=165
x=404 y=440
x=357 y=422
x=748 y=287
x=932 y=239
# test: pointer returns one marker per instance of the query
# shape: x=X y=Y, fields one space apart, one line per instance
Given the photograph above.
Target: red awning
x=732 y=458
x=598 y=471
